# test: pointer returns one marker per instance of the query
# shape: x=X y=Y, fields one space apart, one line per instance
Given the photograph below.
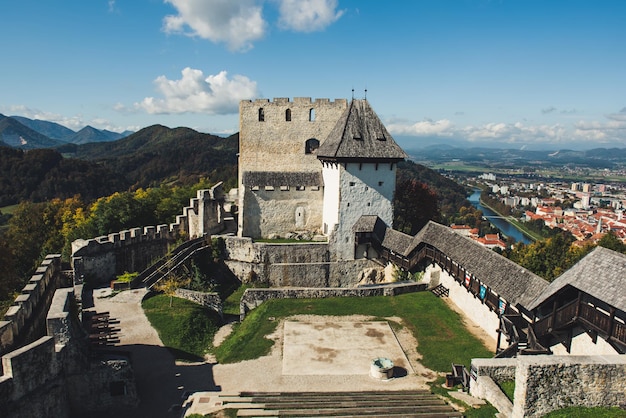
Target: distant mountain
x=90 y=134
x=59 y=132
x=15 y=134
x=597 y=158
x=50 y=129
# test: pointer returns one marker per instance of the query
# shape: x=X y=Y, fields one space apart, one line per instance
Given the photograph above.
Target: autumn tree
x=414 y=205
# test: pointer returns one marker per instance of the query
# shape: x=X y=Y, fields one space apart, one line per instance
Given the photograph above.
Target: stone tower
x=280 y=180
x=359 y=159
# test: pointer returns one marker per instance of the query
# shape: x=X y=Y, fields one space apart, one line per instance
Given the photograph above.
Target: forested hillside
x=147 y=158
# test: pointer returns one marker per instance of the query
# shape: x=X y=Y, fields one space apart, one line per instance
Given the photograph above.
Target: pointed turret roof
x=359 y=135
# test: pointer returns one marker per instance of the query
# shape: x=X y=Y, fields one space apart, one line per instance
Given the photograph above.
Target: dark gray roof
x=279 y=178
x=506 y=278
x=601 y=274
x=509 y=280
x=360 y=135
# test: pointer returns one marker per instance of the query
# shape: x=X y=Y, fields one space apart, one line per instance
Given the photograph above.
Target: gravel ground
x=161 y=381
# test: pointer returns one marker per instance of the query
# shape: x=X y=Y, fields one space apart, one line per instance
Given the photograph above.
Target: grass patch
x=485 y=411
x=580 y=412
x=442 y=338
x=508 y=387
x=186 y=328
x=230 y=306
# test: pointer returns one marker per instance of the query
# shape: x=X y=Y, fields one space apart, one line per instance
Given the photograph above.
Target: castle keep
x=314 y=167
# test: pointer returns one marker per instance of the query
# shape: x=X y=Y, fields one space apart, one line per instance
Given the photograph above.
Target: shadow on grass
x=184 y=355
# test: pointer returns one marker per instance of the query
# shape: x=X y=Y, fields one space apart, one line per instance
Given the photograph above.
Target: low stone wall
x=547 y=383
x=209 y=299
x=253 y=298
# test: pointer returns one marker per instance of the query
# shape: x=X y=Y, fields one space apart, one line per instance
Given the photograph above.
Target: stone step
x=340 y=404
x=413 y=411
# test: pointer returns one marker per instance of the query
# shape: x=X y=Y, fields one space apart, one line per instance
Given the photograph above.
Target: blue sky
x=514 y=73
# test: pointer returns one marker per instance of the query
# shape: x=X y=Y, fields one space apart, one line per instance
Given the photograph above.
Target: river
x=503 y=225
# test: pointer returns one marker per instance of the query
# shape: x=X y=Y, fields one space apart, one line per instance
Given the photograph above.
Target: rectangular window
x=352 y=183
x=254 y=188
x=380 y=183
x=299 y=188
x=269 y=188
x=315 y=188
x=284 y=188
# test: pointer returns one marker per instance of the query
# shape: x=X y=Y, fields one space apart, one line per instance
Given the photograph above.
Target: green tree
x=414 y=205
x=612 y=242
x=170 y=284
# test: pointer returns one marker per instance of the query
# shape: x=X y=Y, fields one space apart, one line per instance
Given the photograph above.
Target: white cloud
x=424 y=128
x=237 y=23
x=308 y=15
x=197 y=93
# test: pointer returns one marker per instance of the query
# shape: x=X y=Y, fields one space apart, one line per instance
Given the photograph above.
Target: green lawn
x=441 y=336
x=186 y=328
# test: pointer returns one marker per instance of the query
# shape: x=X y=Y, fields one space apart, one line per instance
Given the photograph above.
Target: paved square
x=338 y=348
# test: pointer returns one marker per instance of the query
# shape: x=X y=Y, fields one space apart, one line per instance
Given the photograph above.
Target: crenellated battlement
x=285 y=101
x=103 y=258
x=35 y=297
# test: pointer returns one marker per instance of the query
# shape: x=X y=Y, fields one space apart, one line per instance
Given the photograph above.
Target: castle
x=315 y=167
x=325 y=172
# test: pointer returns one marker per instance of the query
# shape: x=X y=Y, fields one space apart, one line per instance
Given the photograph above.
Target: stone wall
x=282 y=128
x=253 y=298
x=548 y=383
x=25 y=320
x=54 y=377
x=298 y=264
x=472 y=306
x=103 y=258
x=211 y=300
x=545 y=383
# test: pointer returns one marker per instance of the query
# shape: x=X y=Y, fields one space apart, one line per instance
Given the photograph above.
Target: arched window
x=288 y=115
x=311 y=115
x=261 y=115
x=311 y=145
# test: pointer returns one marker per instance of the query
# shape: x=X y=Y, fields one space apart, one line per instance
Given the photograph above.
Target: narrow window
x=376 y=167
x=261 y=115
x=311 y=145
x=269 y=188
x=352 y=183
x=366 y=188
x=380 y=183
x=311 y=115
x=300 y=188
x=254 y=188
x=284 y=188
x=288 y=115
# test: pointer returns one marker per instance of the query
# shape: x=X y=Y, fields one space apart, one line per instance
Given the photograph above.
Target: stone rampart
x=211 y=300
x=307 y=264
x=253 y=298
x=24 y=321
x=545 y=383
x=103 y=258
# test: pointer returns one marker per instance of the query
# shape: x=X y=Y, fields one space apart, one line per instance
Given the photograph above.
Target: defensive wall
x=54 y=377
x=546 y=383
x=293 y=265
x=25 y=320
x=103 y=258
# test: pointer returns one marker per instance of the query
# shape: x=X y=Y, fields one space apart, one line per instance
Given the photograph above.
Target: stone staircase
x=339 y=404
